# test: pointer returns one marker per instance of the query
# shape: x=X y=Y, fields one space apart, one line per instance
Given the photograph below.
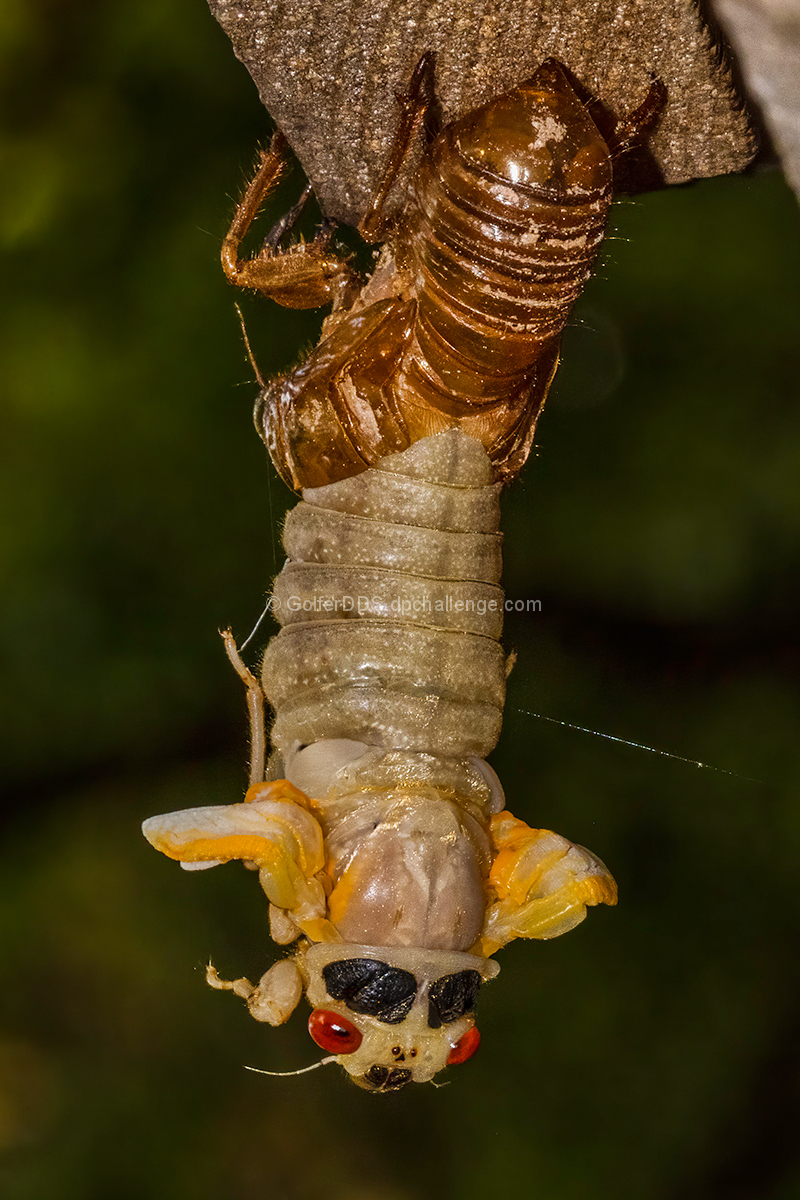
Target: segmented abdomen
x=391 y=607
x=508 y=211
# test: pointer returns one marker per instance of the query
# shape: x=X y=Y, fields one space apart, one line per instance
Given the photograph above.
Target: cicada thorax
x=461 y=326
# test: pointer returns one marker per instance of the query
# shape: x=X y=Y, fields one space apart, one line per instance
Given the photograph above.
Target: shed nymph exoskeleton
x=378 y=829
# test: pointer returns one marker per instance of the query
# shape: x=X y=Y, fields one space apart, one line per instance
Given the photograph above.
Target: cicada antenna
x=262 y=383
x=323 y=1062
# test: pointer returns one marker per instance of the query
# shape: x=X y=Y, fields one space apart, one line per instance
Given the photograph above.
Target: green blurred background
x=652 y=1053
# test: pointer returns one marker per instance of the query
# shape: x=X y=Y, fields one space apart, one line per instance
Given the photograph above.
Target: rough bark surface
x=327 y=71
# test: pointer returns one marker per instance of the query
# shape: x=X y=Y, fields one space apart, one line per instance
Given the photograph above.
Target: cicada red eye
x=465 y=1047
x=334 y=1033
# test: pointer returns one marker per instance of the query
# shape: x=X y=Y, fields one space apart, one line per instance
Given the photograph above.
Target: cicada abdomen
x=391 y=607
x=507 y=212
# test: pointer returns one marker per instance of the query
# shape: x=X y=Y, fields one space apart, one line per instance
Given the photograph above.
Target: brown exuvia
x=459 y=325
x=380 y=835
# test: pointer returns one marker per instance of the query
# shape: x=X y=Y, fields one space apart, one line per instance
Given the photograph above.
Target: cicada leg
x=633 y=163
x=416 y=105
x=255 y=708
x=273 y=999
x=631 y=130
x=306 y=275
x=543 y=884
x=634 y=167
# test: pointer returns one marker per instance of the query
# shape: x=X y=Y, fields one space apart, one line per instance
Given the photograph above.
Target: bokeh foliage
x=652 y=1053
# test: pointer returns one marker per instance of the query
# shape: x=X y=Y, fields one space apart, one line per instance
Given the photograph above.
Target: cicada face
x=394 y=1015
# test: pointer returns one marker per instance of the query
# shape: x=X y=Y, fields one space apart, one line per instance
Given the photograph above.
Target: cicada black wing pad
x=371 y=988
x=453 y=996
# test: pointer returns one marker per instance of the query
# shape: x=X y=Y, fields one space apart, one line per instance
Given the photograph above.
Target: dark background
x=653 y=1052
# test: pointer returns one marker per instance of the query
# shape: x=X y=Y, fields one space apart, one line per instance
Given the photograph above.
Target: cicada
x=378 y=829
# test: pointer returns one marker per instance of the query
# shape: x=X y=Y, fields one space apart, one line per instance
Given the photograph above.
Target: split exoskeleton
x=378 y=829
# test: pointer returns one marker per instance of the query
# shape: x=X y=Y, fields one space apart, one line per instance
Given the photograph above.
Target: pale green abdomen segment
x=391 y=608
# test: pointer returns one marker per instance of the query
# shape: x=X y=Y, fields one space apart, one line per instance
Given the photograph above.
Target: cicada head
x=394 y=1015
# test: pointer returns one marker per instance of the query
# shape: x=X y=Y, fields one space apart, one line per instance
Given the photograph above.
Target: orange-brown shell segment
x=508 y=210
x=503 y=220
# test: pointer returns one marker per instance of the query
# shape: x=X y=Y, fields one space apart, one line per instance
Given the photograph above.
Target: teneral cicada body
x=384 y=845
x=378 y=829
